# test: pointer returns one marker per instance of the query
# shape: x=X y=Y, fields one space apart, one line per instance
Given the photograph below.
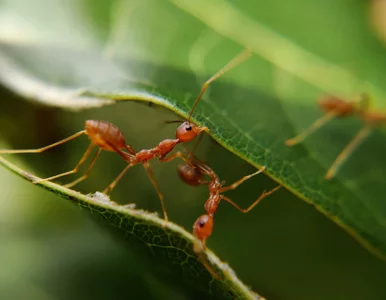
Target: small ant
x=333 y=107
x=193 y=174
x=108 y=137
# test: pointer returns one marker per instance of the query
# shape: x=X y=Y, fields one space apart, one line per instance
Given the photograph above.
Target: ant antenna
x=173 y=121
x=246 y=53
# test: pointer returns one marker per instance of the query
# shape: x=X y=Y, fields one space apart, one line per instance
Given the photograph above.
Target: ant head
x=188 y=131
x=203 y=227
x=190 y=175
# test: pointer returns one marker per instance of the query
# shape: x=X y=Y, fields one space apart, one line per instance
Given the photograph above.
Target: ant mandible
x=108 y=137
x=193 y=174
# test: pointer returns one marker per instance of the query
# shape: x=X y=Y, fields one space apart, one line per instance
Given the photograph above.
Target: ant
x=192 y=174
x=109 y=137
x=335 y=107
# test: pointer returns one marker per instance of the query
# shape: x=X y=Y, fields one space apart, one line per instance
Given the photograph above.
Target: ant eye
x=202 y=224
x=188 y=128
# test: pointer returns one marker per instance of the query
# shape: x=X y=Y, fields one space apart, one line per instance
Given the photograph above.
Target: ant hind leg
x=246 y=53
x=39 y=150
x=116 y=180
x=81 y=161
x=85 y=175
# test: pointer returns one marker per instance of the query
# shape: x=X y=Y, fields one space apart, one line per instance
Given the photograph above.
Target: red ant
x=193 y=174
x=335 y=107
x=108 y=137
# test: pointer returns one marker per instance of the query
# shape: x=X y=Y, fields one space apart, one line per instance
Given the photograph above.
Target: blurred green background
x=284 y=249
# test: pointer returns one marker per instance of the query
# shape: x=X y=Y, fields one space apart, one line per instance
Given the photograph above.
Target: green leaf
x=147 y=230
x=157 y=53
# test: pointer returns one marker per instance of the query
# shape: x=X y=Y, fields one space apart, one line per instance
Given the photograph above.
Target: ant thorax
x=212 y=203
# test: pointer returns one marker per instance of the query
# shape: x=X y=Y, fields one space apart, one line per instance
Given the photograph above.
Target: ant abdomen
x=105 y=134
x=341 y=107
x=190 y=175
x=203 y=227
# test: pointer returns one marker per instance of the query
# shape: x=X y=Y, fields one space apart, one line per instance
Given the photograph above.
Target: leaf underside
x=152 y=239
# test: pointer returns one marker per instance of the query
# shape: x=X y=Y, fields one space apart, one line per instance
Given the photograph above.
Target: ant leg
x=175 y=155
x=131 y=150
x=240 y=181
x=355 y=142
x=243 y=210
x=160 y=195
x=191 y=153
x=82 y=160
x=71 y=184
x=314 y=126
x=246 y=53
x=116 y=180
x=203 y=168
x=198 y=140
x=46 y=147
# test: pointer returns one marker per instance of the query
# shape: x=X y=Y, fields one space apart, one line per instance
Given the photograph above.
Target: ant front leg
x=178 y=154
x=243 y=210
x=146 y=165
x=240 y=181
